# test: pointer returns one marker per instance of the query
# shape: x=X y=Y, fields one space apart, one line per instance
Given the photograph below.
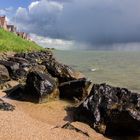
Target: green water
x=115 y=68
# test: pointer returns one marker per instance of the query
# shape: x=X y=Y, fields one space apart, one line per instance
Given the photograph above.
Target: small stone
x=72 y=127
x=6 y=106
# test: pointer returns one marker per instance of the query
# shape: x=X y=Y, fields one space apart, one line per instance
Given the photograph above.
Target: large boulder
x=111 y=110
x=11 y=67
x=16 y=70
x=4 y=74
x=63 y=72
x=76 y=89
x=41 y=87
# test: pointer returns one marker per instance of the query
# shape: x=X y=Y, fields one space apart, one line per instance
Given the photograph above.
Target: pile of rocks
x=44 y=77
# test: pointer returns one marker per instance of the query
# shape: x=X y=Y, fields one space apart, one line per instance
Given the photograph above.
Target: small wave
x=93 y=70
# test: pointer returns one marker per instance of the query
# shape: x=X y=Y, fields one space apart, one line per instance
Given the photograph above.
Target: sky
x=14 y=3
x=77 y=24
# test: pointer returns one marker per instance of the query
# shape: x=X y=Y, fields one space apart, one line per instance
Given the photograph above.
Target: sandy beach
x=40 y=122
x=69 y=70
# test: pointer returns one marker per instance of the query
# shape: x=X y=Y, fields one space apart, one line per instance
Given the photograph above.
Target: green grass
x=11 y=42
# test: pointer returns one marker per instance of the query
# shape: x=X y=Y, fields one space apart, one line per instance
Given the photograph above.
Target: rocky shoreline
x=40 y=78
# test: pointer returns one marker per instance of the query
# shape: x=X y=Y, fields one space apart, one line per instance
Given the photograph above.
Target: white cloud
x=22 y=13
x=47 y=42
x=40 y=17
x=88 y=21
x=2 y=12
x=50 y=6
x=33 y=4
x=6 y=11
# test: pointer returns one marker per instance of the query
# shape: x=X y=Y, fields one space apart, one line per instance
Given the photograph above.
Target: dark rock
x=72 y=127
x=18 y=60
x=16 y=71
x=64 y=73
x=4 y=74
x=19 y=74
x=34 y=57
x=25 y=66
x=111 y=110
x=41 y=87
x=11 y=66
x=6 y=106
x=39 y=68
x=16 y=93
x=74 y=89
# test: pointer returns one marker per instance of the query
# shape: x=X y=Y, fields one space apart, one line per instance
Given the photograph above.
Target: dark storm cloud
x=89 y=21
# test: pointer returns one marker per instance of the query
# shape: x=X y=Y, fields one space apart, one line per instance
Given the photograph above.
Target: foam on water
x=93 y=70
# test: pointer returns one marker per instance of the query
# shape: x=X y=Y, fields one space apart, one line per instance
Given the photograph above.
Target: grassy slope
x=11 y=42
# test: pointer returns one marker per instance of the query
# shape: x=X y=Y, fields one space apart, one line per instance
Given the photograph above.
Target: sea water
x=114 y=68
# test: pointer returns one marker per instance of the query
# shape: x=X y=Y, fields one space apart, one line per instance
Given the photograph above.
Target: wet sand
x=41 y=122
